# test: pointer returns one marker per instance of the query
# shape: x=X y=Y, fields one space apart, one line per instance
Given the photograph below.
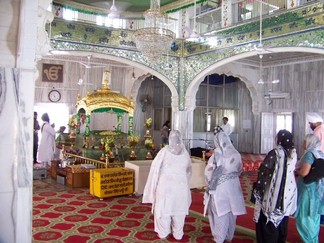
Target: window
x=69 y=14
x=99 y=20
x=115 y=23
x=284 y=121
x=58 y=114
x=206 y=121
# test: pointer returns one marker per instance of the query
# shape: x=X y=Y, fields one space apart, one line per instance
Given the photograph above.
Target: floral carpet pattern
x=73 y=215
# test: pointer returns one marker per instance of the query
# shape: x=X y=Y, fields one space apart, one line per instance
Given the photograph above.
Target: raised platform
x=142 y=170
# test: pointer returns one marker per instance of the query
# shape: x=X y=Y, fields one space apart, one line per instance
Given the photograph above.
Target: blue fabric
x=309 y=206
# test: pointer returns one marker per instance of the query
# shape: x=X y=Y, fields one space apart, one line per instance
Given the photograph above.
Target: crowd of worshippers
x=284 y=187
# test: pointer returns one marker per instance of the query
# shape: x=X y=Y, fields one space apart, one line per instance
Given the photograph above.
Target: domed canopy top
x=105 y=98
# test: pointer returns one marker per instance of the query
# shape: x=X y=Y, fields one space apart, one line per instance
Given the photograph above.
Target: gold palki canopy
x=105 y=98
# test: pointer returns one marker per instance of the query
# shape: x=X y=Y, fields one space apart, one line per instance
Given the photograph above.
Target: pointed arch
x=229 y=67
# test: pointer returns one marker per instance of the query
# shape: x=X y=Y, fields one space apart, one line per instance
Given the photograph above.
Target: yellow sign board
x=111 y=182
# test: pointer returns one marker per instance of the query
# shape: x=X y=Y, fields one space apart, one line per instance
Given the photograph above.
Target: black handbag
x=316 y=172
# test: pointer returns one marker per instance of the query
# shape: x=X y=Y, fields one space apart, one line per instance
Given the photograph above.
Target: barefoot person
x=167 y=188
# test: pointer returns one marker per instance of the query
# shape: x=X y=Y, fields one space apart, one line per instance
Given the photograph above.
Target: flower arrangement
x=149 y=143
x=109 y=133
x=73 y=121
x=133 y=140
x=107 y=143
x=148 y=123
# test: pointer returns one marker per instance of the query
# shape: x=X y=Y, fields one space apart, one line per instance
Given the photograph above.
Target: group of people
x=279 y=192
x=167 y=188
x=45 y=151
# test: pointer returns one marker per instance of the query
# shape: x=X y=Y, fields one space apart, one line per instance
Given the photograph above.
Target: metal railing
x=97 y=163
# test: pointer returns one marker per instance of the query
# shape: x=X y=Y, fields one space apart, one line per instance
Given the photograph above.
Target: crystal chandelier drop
x=154 y=39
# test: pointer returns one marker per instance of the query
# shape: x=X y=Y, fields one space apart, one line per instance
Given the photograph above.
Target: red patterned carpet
x=73 y=215
x=251 y=162
x=245 y=223
x=62 y=214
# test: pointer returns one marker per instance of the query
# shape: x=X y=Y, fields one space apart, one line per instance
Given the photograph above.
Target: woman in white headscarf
x=310 y=196
x=167 y=188
x=223 y=198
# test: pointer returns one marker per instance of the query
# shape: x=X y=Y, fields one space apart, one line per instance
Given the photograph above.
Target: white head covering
x=313 y=144
x=175 y=142
x=314 y=117
x=226 y=154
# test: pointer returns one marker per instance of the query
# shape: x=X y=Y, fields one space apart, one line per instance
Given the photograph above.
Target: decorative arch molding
x=165 y=69
x=137 y=83
x=227 y=65
x=184 y=83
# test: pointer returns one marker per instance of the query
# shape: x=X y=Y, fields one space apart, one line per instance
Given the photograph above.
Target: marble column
x=21 y=47
x=183 y=120
x=16 y=119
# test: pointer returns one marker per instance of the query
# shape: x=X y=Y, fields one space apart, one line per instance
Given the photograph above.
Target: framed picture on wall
x=52 y=73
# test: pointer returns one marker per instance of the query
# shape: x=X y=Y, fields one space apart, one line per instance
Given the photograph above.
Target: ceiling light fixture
x=154 y=39
x=194 y=33
x=113 y=12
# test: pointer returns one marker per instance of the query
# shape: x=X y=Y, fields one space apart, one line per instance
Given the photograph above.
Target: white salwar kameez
x=167 y=188
x=226 y=201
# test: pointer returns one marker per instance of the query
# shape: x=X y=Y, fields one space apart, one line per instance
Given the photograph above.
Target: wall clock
x=54 y=95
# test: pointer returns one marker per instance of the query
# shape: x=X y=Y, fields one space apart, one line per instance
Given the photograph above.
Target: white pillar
x=226 y=13
x=17 y=81
x=292 y=3
x=183 y=120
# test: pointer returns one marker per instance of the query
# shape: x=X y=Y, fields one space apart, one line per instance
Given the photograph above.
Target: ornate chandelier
x=154 y=39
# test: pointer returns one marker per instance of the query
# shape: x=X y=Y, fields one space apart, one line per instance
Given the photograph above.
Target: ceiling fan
x=260 y=49
x=89 y=65
x=113 y=12
x=261 y=81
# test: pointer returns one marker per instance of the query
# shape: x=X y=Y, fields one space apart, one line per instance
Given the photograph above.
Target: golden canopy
x=105 y=98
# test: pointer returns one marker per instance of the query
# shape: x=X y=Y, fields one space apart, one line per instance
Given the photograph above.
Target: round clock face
x=54 y=95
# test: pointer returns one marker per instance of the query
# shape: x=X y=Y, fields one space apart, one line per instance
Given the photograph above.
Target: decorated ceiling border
x=167 y=66
x=82 y=8
x=197 y=63
x=79 y=7
x=98 y=35
x=299 y=20
x=179 y=5
x=280 y=25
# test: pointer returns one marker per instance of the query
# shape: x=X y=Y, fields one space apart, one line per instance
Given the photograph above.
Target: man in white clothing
x=47 y=143
x=227 y=128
